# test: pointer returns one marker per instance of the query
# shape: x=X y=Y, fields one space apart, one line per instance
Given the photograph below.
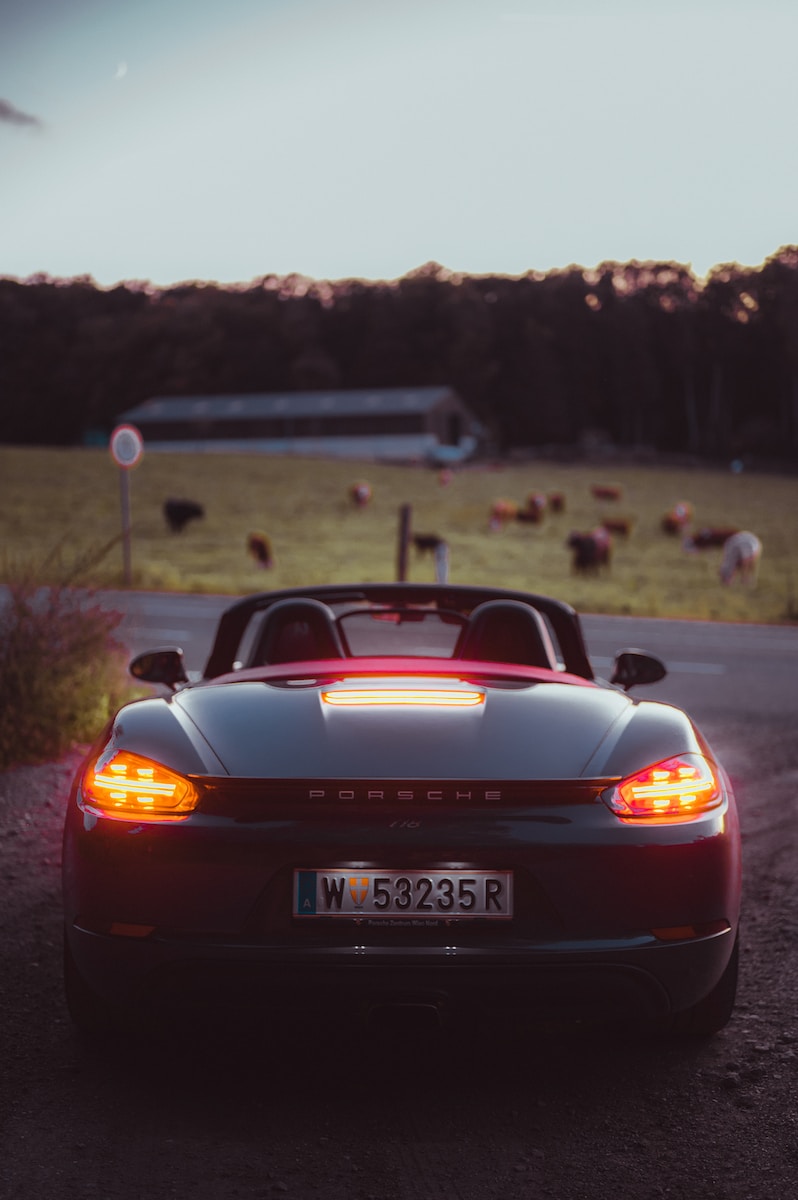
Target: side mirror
x=634 y=667
x=160 y=666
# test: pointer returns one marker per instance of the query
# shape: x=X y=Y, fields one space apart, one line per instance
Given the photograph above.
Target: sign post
x=126 y=446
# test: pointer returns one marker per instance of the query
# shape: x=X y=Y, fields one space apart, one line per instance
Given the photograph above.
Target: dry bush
x=62 y=670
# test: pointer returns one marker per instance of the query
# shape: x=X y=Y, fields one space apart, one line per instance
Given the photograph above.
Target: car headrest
x=507 y=631
x=297 y=631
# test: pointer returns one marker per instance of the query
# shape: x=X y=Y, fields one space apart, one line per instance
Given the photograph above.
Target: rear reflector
x=125 y=929
x=683 y=933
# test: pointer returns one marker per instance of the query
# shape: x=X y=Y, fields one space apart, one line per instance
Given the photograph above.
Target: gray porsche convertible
x=402 y=800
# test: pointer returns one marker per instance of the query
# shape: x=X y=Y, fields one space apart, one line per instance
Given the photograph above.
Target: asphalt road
x=335 y=1112
x=713 y=668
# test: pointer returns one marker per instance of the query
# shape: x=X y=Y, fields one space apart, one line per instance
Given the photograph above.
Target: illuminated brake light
x=676 y=789
x=131 y=787
x=429 y=697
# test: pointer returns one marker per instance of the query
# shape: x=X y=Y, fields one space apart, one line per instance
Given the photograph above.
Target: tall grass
x=72 y=498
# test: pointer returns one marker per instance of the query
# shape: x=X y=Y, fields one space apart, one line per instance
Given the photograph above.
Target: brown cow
x=708 y=538
x=260 y=548
x=677 y=518
x=501 y=511
x=535 y=509
x=623 y=526
x=606 y=491
x=360 y=494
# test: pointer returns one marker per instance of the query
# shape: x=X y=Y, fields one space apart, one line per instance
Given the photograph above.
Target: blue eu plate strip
x=306 y=894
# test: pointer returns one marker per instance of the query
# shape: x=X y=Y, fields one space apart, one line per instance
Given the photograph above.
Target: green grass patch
x=70 y=499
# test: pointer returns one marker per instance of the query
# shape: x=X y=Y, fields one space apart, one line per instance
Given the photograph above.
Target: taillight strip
x=416 y=697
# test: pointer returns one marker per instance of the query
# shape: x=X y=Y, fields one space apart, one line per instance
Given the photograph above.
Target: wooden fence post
x=404 y=541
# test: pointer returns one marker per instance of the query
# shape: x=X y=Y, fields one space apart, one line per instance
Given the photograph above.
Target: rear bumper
x=638 y=980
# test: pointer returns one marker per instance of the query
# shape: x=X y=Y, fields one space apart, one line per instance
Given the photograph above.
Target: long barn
x=398 y=424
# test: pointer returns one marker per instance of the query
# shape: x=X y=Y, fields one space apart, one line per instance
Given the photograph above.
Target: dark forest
x=636 y=355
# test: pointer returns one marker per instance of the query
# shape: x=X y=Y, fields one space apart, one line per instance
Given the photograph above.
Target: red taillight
x=676 y=789
x=133 y=788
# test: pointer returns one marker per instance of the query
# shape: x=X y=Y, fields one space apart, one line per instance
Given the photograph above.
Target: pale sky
x=223 y=140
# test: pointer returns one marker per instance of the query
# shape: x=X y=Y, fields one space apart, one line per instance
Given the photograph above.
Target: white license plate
x=435 y=895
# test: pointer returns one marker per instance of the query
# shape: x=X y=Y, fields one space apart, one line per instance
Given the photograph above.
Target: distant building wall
x=392 y=447
x=396 y=423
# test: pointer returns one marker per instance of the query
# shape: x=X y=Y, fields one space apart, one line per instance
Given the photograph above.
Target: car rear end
x=463 y=861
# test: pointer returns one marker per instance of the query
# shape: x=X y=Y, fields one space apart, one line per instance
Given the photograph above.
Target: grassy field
x=60 y=509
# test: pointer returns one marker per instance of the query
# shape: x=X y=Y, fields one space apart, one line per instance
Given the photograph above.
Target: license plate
x=435 y=895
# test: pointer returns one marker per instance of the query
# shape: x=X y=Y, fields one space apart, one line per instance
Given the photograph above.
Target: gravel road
x=345 y=1114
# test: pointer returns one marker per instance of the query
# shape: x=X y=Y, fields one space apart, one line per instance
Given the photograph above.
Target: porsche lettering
x=432 y=795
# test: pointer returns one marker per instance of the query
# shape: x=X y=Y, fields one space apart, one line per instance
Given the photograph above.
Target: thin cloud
x=12 y=116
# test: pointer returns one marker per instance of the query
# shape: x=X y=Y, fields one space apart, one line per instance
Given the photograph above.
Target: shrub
x=61 y=670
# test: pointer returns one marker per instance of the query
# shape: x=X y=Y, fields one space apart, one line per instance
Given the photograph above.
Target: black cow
x=178 y=513
x=427 y=542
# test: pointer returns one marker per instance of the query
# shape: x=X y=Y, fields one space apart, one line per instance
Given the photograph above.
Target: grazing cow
x=708 y=538
x=623 y=526
x=591 y=551
x=178 y=513
x=502 y=511
x=438 y=547
x=534 y=510
x=606 y=491
x=360 y=494
x=427 y=542
x=260 y=548
x=556 y=502
x=676 y=518
x=741 y=555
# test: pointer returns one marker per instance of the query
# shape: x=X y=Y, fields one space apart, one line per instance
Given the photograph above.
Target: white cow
x=741 y=555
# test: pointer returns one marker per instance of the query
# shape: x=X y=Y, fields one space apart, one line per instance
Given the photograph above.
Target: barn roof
x=364 y=401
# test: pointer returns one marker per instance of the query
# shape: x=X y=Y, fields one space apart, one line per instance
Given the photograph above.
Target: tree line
x=637 y=354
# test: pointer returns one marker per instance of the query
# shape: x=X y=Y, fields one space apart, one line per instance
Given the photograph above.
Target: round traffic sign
x=126 y=445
